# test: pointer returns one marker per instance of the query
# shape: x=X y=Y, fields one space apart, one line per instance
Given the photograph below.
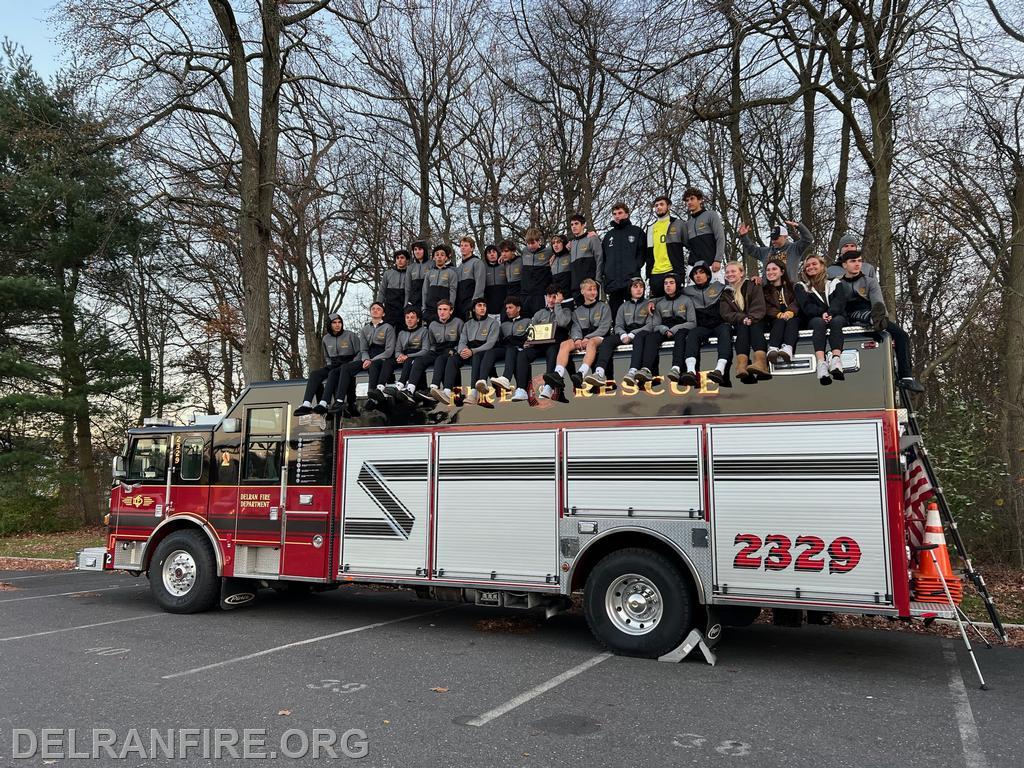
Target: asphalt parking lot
x=436 y=684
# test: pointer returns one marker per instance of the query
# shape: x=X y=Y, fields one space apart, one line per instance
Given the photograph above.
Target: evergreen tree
x=65 y=210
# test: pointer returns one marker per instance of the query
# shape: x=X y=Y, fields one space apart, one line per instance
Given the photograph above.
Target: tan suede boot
x=744 y=375
x=759 y=367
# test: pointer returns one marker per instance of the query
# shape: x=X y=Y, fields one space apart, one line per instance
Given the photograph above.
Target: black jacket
x=813 y=304
x=625 y=251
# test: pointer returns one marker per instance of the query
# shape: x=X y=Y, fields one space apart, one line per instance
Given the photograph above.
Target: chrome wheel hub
x=179 y=573
x=634 y=604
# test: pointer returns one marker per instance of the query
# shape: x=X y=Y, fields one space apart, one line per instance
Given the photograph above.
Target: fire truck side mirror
x=118 y=469
x=231 y=425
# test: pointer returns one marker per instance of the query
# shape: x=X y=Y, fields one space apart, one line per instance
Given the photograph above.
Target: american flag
x=917 y=492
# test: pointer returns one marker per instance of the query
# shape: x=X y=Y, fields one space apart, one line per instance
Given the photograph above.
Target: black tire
x=627 y=634
x=204 y=589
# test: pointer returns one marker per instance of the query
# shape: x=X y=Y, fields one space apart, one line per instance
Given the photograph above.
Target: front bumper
x=90 y=559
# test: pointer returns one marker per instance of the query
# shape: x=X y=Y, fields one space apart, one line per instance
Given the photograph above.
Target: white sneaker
x=673 y=375
x=822 y=373
x=445 y=396
x=835 y=368
x=500 y=382
x=473 y=397
x=482 y=386
x=546 y=392
x=520 y=394
x=786 y=353
x=773 y=355
x=435 y=392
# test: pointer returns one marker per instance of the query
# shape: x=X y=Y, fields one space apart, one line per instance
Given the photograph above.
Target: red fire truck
x=669 y=507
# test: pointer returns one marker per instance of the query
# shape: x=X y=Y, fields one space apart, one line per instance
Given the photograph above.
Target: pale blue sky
x=25 y=22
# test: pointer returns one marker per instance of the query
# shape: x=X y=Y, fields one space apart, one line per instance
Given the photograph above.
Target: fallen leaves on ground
x=61 y=545
x=284 y=712
x=5 y=587
x=439 y=690
x=518 y=625
x=25 y=564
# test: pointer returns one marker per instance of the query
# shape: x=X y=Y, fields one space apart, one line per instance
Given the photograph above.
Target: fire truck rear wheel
x=638 y=603
x=183 y=573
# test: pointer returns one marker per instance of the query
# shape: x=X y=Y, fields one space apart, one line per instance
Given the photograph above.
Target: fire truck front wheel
x=183 y=573
x=638 y=603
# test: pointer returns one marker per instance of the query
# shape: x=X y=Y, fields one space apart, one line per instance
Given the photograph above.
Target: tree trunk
x=1013 y=367
x=842 y=222
x=736 y=156
x=807 y=213
x=314 y=355
x=78 y=398
x=257 y=176
x=878 y=235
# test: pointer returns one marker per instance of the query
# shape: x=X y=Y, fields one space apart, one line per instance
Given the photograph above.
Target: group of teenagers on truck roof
x=431 y=318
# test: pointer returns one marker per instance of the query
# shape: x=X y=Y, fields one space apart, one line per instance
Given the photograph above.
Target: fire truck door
x=799 y=513
x=385 y=505
x=497 y=507
x=139 y=507
x=190 y=474
x=307 y=499
x=258 y=517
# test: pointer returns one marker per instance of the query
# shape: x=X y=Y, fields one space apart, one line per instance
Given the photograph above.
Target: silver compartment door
x=639 y=472
x=497 y=506
x=386 y=503
x=808 y=484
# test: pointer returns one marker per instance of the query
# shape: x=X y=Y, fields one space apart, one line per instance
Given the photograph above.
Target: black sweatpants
x=510 y=354
x=410 y=371
x=617 y=298
x=453 y=371
x=524 y=363
x=317 y=380
x=440 y=365
x=901 y=340
x=418 y=370
x=483 y=365
x=834 y=330
x=750 y=337
x=607 y=350
x=784 y=332
x=696 y=338
x=652 y=349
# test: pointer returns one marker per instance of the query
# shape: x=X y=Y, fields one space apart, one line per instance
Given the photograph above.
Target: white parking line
x=83 y=626
x=974 y=757
x=537 y=690
x=63 y=594
x=298 y=643
x=36 y=576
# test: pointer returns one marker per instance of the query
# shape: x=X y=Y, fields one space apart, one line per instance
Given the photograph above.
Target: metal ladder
x=915 y=438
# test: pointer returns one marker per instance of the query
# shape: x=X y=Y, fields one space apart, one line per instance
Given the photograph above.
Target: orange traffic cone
x=927 y=581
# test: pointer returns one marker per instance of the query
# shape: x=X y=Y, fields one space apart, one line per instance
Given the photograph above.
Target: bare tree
x=159 y=60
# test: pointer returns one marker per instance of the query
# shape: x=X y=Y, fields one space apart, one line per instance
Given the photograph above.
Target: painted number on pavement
x=336 y=686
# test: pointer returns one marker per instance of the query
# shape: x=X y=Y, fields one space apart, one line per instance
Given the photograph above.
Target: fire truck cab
x=668 y=507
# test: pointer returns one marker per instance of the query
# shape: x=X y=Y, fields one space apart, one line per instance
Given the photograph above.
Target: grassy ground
x=57 y=546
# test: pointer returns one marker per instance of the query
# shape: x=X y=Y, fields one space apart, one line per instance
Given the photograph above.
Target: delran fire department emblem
x=138 y=501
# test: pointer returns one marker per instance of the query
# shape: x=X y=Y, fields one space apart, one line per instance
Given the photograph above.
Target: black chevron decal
x=398 y=520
